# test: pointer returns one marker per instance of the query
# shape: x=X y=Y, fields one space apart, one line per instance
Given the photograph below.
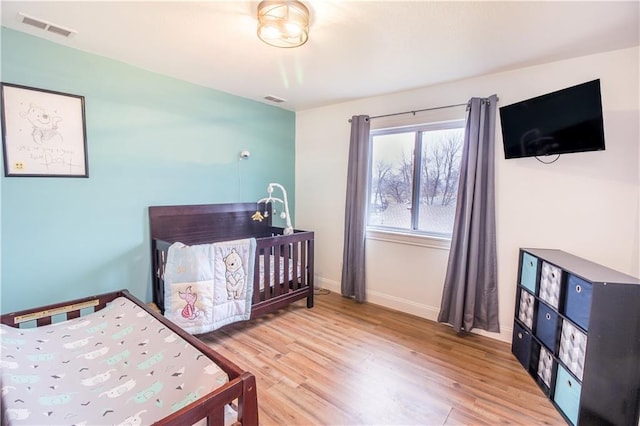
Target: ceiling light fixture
x=283 y=23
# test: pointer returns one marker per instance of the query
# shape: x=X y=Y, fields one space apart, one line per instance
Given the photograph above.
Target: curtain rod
x=414 y=111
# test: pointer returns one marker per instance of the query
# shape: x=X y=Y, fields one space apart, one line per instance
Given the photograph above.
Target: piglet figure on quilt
x=207 y=286
x=189 y=311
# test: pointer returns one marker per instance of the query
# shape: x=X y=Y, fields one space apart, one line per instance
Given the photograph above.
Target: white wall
x=586 y=203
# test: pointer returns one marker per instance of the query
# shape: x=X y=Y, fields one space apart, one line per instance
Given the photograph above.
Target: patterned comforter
x=207 y=286
x=118 y=365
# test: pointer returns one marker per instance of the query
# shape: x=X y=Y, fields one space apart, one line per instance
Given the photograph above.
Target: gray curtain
x=470 y=296
x=355 y=220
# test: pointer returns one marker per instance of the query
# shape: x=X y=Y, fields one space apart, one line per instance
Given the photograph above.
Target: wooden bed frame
x=210 y=223
x=241 y=386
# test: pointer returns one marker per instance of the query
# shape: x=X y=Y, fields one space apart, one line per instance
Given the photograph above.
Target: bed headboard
x=206 y=223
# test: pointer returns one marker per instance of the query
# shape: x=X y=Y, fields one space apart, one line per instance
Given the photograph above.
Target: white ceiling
x=356 y=48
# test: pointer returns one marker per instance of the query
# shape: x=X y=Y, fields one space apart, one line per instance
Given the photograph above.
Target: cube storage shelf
x=577 y=332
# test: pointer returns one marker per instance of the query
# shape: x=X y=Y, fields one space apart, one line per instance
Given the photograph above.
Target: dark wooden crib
x=211 y=223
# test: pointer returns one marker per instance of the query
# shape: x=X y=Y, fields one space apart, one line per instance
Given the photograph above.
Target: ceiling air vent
x=44 y=25
x=33 y=22
x=274 y=99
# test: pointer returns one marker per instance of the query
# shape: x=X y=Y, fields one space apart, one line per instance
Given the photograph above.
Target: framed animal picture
x=43 y=133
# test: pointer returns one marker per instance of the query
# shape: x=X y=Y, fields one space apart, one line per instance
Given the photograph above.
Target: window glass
x=440 y=170
x=414 y=178
x=391 y=180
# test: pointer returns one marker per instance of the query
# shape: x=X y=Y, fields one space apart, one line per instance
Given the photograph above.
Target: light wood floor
x=344 y=363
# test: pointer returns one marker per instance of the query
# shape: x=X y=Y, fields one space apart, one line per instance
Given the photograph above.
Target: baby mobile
x=258 y=216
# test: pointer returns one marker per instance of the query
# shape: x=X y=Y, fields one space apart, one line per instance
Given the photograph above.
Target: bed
x=283 y=265
x=110 y=359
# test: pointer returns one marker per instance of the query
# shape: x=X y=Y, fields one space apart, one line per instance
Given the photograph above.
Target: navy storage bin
x=547 y=326
x=578 y=301
x=521 y=344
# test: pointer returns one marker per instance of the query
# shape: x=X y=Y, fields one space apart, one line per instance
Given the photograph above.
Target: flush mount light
x=283 y=23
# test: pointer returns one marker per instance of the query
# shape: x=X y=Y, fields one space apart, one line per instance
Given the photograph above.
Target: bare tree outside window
x=382 y=170
x=438 y=148
x=441 y=155
x=391 y=182
x=453 y=150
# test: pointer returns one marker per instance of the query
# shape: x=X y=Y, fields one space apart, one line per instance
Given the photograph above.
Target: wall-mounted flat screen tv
x=561 y=122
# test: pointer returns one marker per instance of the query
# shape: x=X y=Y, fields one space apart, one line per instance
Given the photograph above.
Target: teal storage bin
x=529 y=272
x=567 y=394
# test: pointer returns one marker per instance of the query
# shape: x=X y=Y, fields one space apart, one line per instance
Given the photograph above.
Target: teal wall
x=152 y=140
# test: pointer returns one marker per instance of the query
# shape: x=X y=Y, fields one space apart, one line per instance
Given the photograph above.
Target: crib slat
x=304 y=265
x=286 y=274
x=267 y=273
x=295 y=279
x=256 y=268
x=277 y=288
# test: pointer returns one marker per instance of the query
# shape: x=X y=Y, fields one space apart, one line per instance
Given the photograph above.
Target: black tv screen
x=561 y=122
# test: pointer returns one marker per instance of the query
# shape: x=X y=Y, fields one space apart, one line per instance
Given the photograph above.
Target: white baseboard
x=411 y=307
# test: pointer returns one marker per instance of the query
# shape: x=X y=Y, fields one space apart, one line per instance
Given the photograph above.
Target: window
x=414 y=178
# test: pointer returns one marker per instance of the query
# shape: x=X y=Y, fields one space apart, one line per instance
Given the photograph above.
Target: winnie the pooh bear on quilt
x=235 y=275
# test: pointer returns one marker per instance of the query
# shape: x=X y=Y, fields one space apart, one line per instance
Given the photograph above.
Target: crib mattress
x=117 y=365
x=281 y=277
